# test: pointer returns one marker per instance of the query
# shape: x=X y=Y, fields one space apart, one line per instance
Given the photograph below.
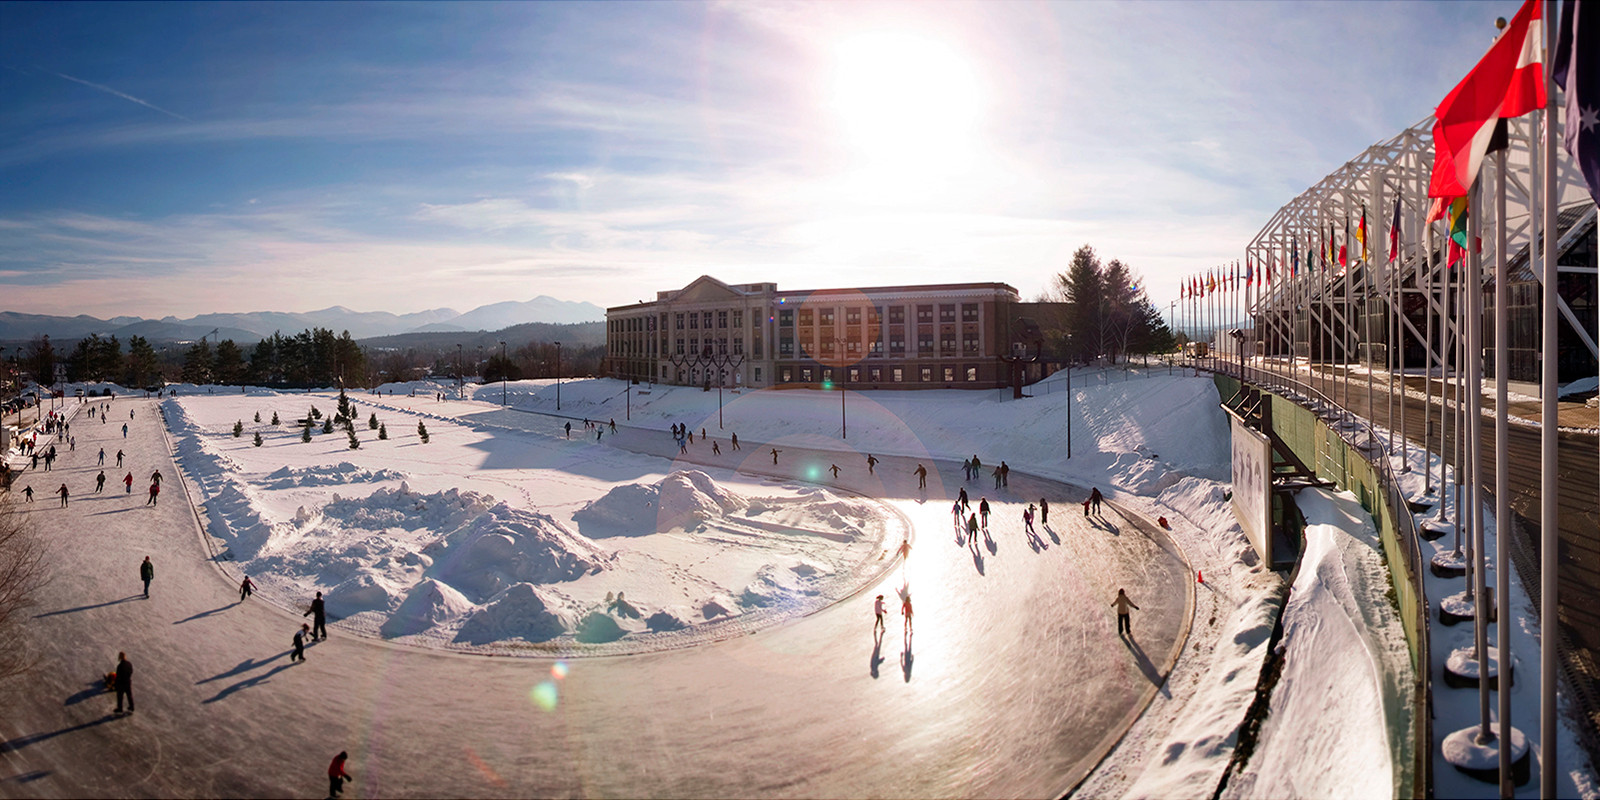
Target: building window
x=805 y=375
x=897 y=315
x=876 y=373
x=694 y=321
x=786 y=317
x=679 y=319
x=852 y=346
x=855 y=375
x=707 y=316
x=694 y=346
x=826 y=315
x=738 y=319
x=969 y=312
x=755 y=347
x=969 y=342
x=947 y=343
x=722 y=319
x=738 y=346
x=947 y=312
x=852 y=316
x=827 y=375
x=877 y=347
x=897 y=343
x=827 y=346
x=785 y=347
x=805 y=317
x=924 y=342
x=924 y=313
x=788 y=375
x=949 y=374
x=722 y=346
x=972 y=373
x=927 y=374
x=680 y=347
x=758 y=375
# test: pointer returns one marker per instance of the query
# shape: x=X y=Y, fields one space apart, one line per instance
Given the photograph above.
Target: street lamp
x=460 y=374
x=721 y=363
x=558 y=376
x=503 y=374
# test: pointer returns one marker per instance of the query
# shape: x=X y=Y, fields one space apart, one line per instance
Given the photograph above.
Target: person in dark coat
x=299 y=653
x=983 y=511
x=100 y=482
x=1044 y=511
x=922 y=476
x=1094 y=498
x=64 y=494
x=124 y=682
x=147 y=573
x=246 y=588
x=319 y=618
x=1122 y=604
x=337 y=776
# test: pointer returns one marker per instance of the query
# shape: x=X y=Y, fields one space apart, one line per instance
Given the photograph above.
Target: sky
x=177 y=159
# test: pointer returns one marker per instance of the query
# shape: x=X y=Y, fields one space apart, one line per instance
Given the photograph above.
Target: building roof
x=748 y=289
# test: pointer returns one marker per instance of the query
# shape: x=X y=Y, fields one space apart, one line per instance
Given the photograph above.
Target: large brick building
x=885 y=337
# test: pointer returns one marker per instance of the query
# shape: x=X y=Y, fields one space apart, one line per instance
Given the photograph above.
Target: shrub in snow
x=258 y=416
x=275 y=418
x=422 y=431
x=315 y=414
x=305 y=434
x=383 y=432
x=355 y=444
x=372 y=421
x=238 y=429
x=258 y=439
x=327 y=426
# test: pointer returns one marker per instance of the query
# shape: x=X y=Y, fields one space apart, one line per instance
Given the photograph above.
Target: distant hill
x=253 y=326
x=582 y=334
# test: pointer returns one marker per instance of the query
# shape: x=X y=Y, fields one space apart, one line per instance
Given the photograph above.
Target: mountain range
x=251 y=327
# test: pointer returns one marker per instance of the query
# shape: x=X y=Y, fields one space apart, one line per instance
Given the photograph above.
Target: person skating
x=905 y=610
x=1087 y=501
x=922 y=476
x=1122 y=604
x=966 y=469
x=100 y=482
x=872 y=463
x=976 y=466
x=319 y=618
x=972 y=530
x=64 y=494
x=119 y=459
x=1044 y=511
x=147 y=573
x=983 y=511
x=102 y=457
x=834 y=468
x=337 y=776
x=955 y=511
x=155 y=477
x=904 y=550
x=1005 y=475
x=1027 y=520
x=734 y=441
x=598 y=432
x=155 y=489
x=127 y=480
x=775 y=452
x=246 y=588
x=691 y=437
x=961 y=498
x=878 y=610
x=124 y=682
x=613 y=424
x=569 y=429
x=683 y=447
x=299 y=653
x=1094 y=498
x=124 y=430
x=27 y=491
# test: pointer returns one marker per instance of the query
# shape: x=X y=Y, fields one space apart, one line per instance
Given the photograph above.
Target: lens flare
x=544 y=696
x=559 y=670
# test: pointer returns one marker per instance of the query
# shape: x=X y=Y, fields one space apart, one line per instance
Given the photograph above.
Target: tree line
x=1106 y=313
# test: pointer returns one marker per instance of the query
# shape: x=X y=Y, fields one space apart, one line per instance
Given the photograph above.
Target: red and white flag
x=1507 y=82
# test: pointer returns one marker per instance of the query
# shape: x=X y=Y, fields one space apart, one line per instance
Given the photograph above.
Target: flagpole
x=1425 y=281
x=1502 y=494
x=1548 y=509
x=1474 y=361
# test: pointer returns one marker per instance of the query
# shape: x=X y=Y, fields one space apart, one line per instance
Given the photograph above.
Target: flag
x=1342 y=261
x=1507 y=82
x=1249 y=273
x=1361 y=232
x=1394 y=231
x=1458 y=231
x=1575 y=66
x=1211 y=280
x=1294 y=257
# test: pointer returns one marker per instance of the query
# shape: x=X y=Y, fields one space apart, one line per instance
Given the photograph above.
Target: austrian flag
x=1508 y=82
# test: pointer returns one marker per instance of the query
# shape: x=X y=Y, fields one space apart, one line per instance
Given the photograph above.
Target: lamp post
x=721 y=362
x=558 y=376
x=503 y=366
x=460 y=375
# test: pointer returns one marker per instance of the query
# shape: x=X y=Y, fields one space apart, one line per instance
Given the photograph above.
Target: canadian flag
x=1507 y=82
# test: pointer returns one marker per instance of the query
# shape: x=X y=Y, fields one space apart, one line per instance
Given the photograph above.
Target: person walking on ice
x=879 y=610
x=246 y=588
x=775 y=452
x=716 y=449
x=983 y=511
x=147 y=573
x=64 y=494
x=127 y=480
x=733 y=441
x=337 y=776
x=972 y=530
x=922 y=476
x=1122 y=604
x=155 y=489
x=1044 y=511
x=955 y=511
x=904 y=550
x=27 y=491
x=569 y=429
x=1027 y=520
x=834 y=468
x=119 y=459
x=872 y=463
x=961 y=498
x=124 y=682
x=905 y=610
x=319 y=618
x=1094 y=498
x=125 y=430
x=102 y=457
x=299 y=653
x=100 y=482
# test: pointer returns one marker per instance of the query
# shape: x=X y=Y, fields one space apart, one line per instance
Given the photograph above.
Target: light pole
x=721 y=362
x=503 y=366
x=558 y=376
x=460 y=375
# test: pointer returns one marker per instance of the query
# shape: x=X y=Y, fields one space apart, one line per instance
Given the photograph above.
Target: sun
x=905 y=103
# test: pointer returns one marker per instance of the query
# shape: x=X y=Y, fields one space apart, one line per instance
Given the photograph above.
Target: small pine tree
x=383 y=431
x=372 y=421
x=355 y=444
x=344 y=404
x=305 y=434
x=275 y=418
x=258 y=438
x=315 y=414
x=258 y=416
x=238 y=429
x=422 y=431
x=327 y=426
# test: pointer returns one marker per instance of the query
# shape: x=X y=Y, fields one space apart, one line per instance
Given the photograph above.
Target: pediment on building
x=706 y=289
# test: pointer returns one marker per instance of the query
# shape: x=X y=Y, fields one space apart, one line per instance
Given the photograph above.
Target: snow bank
x=681 y=500
x=332 y=475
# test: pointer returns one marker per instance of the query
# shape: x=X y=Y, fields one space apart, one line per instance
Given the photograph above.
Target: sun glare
x=909 y=106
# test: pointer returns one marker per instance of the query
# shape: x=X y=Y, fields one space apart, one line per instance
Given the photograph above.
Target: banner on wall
x=1252 y=487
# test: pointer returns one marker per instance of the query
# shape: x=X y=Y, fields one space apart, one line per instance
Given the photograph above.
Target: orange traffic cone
x=1199 y=577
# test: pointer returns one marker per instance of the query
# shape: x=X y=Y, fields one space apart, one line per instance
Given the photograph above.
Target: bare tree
x=22 y=574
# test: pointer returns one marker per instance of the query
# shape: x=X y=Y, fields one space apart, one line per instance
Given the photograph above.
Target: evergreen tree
x=275 y=418
x=198 y=363
x=372 y=421
x=143 y=366
x=258 y=438
x=305 y=434
x=1080 y=287
x=228 y=366
x=258 y=416
x=355 y=444
x=383 y=432
x=41 y=361
x=238 y=429
x=315 y=414
x=422 y=431
x=327 y=426
x=344 y=404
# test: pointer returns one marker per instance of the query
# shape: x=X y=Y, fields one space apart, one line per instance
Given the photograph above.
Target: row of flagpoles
x=1300 y=294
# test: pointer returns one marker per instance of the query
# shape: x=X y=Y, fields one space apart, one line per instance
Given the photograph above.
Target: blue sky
x=182 y=158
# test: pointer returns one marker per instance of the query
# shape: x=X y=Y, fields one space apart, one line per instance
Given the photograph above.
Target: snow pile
x=332 y=475
x=681 y=500
x=1345 y=668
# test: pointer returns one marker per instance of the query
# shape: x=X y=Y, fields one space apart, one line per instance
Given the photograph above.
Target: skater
x=997 y=478
x=155 y=477
x=155 y=489
x=976 y=465
x=64 y=493
x=124 y=682
x=905 y=611
x=734 y=440
x=834 y=468
x=319 y=619
x=246 y=588
x=872 y=463
x=1086 y=503
x=27 y=491
x=716 y=449
x=972 y=530
x=904 y=550
x=100 y=482
x=683 y=446
x=955 y=511
x=1122 y=603
x=119 y=459
x=703 y=434
x=598 y=432
x=102 y=457
x=1005 y=475
x=613 y=424
x=569 y=429
x=878 y=609
x=337 y=776
x=147 y=573
x=983 y=511
x=299 y=653
x=691 y=437
x=1095 y=497
x=966 y=469
x=125 y=428
x=127 y=480
x=1044 y=511
x=1027 y=520
x=961 y=498
x=775 y=452
x=922 y=476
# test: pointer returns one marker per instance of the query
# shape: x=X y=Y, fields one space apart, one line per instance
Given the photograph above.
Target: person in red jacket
x=337 y=776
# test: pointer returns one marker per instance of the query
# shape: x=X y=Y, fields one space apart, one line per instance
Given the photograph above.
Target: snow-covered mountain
x=251 y=326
